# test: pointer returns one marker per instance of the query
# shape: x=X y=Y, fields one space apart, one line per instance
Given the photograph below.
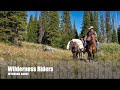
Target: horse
x=75 y=46
x=91 y=48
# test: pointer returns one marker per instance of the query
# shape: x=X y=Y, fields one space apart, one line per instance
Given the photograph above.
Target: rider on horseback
x=91 y=32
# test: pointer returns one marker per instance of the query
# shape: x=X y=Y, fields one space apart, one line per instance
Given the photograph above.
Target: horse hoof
x=85 y=60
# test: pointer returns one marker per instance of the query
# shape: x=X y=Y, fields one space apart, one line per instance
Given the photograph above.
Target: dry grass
x=31 y=55
x=32 y=51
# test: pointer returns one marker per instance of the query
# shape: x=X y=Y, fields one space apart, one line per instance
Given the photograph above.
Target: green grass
x=109 y=51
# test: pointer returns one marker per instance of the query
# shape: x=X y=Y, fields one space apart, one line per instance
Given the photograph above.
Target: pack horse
x=76 y=47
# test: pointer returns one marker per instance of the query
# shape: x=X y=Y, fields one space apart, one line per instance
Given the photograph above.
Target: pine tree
x=118 y=32
x=66 y=19
x=5 y=29
x=96 y=21
x=18 y=25
x=24 y=25
x=102 y=28
x=75 y=31
x=64 y=36
x=30 y=29
x=41 y=27
x=91 y=18
x=108 y=28
x=53 y=30
x=35 y=28
x=66 y=28
x=114 y=34
x=85 y=24
x=13 y=25
x=45 y=28
x=100 y=36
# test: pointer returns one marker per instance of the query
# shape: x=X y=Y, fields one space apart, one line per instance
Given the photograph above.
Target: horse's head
x=91 y=40
x=74 y=49
x=73 y=46
x=70 y=45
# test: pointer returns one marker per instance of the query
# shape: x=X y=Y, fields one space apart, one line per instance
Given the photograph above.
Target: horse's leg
x=73 y=55
x=89 y=56
x=93 y=56
x=80 y=55
x=77 y=55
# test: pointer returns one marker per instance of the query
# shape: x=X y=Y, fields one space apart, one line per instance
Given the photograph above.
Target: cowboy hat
x=91 y=27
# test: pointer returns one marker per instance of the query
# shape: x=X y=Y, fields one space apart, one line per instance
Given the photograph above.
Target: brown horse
x=75 y=50
x=91 y=47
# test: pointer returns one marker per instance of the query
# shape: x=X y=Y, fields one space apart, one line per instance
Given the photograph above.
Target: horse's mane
x=92 y=40
x=92 y=44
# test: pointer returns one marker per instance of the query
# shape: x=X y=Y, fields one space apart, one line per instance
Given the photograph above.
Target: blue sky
x=77 y=16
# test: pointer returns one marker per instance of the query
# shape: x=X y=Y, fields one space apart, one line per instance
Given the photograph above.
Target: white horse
x=80 y=46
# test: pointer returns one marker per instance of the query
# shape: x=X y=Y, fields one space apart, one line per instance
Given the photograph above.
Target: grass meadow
x=107 y=63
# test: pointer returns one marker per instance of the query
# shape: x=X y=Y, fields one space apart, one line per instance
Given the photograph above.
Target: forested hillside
x=54 y=30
